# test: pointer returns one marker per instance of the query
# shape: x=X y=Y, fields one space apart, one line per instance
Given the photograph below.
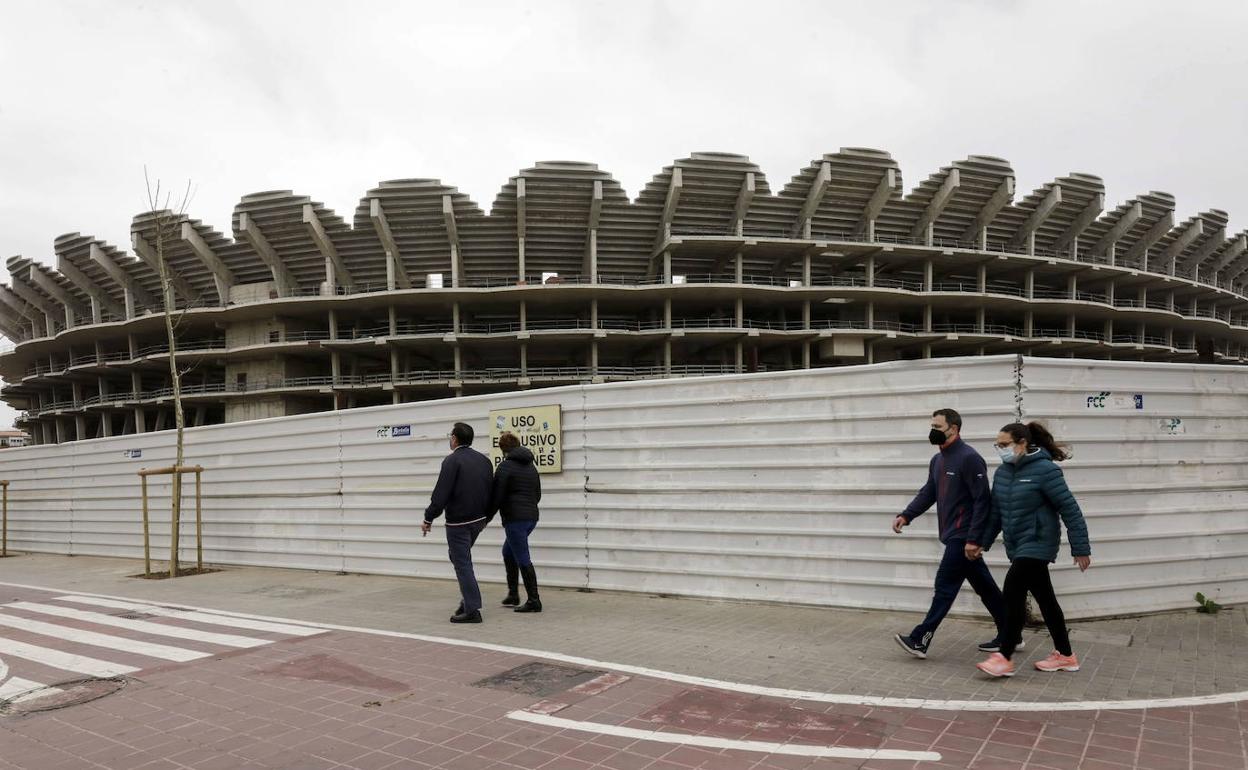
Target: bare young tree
x=166 y=217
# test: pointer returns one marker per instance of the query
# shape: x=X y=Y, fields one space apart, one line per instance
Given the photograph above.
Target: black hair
x=951 y=416
x=463 y=434
x=1036 y=434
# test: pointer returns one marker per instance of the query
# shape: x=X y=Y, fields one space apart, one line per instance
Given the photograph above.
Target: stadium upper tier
x=710 y=268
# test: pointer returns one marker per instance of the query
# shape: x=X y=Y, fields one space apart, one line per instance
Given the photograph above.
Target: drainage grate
x=539 y=679
x=132 y=615
x=59 y=696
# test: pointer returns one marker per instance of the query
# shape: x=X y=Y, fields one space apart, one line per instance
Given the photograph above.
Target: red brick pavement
x=354 y=700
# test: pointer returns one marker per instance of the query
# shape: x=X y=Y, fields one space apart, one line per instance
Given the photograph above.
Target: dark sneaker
x=910 y=646
x=995 y=646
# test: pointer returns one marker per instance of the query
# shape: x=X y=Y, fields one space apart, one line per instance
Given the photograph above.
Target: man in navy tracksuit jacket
x=957 y=482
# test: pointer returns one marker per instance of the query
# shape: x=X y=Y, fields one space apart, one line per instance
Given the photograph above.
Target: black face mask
x=937 y=437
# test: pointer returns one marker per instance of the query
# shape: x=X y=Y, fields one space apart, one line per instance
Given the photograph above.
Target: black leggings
x=1032 y=575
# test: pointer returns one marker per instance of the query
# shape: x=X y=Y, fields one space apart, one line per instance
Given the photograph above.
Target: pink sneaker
x=1058 y=662
x=997 y=665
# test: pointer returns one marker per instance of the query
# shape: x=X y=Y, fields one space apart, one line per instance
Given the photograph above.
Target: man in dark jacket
x=957 y=482
x=463 y=492
x=517 y=491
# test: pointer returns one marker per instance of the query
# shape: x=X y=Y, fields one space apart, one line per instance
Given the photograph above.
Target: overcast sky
x=327 y=99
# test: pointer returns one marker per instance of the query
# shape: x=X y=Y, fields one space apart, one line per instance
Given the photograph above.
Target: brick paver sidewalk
x=215 y=690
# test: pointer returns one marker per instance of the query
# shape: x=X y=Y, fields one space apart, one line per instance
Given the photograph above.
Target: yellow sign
x=539 y=429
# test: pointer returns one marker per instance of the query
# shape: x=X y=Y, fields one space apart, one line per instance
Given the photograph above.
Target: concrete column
x=1029 y=326
x=740 y=313
x=980 y=319
x=593 y=314
x=524 y=359
x=982 y=279
x=667 y=356
x=929 y=236
x=869 y=269
x=455 y=318
x=1072 y=287
x=60 y=429
x=1071 y=325
x=524 y=315
x=667 y=266
x=667 y=313
x=740 y=266
x=927 y=319
x=1109 y=292
x=593 y=358
x=333 y=325
x=983 y=238
x=459 y=362
x=1108 y=330
x=928 y=269
x=394 y=320
x=870 y=315
x=80 y=427
x=133 y=345
x=806 y=269
x=1030 y=284
x=740 y=362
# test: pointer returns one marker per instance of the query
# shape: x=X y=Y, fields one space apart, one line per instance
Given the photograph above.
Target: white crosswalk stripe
x=159 y=629
x=202 y=617
x=15 y=688
x=57 y=625
x=80 y=636
x=47 y=656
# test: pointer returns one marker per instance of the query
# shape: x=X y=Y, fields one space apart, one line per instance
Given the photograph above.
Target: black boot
x=513 y=582
x=534 y=603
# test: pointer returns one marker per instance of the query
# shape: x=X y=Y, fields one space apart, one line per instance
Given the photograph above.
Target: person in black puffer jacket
x=516 y=492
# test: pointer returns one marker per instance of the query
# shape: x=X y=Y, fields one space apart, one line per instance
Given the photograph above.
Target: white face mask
x=1007 y=453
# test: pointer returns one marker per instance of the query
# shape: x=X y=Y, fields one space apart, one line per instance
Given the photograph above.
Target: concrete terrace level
x=710 y=270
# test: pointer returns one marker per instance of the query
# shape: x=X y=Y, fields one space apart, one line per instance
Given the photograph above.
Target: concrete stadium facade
x=708 y=271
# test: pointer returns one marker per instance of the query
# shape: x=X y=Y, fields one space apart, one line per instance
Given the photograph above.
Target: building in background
x=10 y=439
x=709 y=270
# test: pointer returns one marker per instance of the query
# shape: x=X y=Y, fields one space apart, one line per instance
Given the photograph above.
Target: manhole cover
x=60 y=696
x=540 y=679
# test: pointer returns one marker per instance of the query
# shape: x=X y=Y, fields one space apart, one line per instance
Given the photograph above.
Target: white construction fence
x=776 y=486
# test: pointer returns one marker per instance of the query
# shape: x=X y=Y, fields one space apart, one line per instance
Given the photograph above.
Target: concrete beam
x=937 y=204
x=46 y=307
x=285 y=280
x=744 y=197
x=814 y=196
x=1155 y=233
x=336 y=272
x=1081 y=223
x=452 y=237
x=1233 y=251
x=1000 y=197
x=134 y=292
x=875 y=205
x=1120 y=228
x=147 y=253
x=15 y=304
x=42 y=281
x=1038 y=216
x=100 y=299
x=396 y=273
x=1215 y=241
x=221 y=275
x=590 y=266
x=669 y=208
x=1180 y=244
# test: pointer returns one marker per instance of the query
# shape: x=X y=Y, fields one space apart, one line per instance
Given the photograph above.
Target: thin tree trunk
x=176 y=378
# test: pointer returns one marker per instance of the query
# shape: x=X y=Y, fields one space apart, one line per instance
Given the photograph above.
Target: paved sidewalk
x=264 y=694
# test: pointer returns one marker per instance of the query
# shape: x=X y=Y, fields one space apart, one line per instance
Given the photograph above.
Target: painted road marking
x=81 y=636
x=17 y=688
x=765 y=747
x=63 y=660
x=751 y=689
x=227 y=640
x=201 y=617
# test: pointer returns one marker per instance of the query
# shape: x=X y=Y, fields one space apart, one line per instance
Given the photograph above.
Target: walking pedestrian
x=517 y=491
x=463 y=492
x=1030 y=502
x=957 y=482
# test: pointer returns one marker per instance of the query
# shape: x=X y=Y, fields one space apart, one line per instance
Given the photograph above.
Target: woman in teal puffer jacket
x=1030 y=501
